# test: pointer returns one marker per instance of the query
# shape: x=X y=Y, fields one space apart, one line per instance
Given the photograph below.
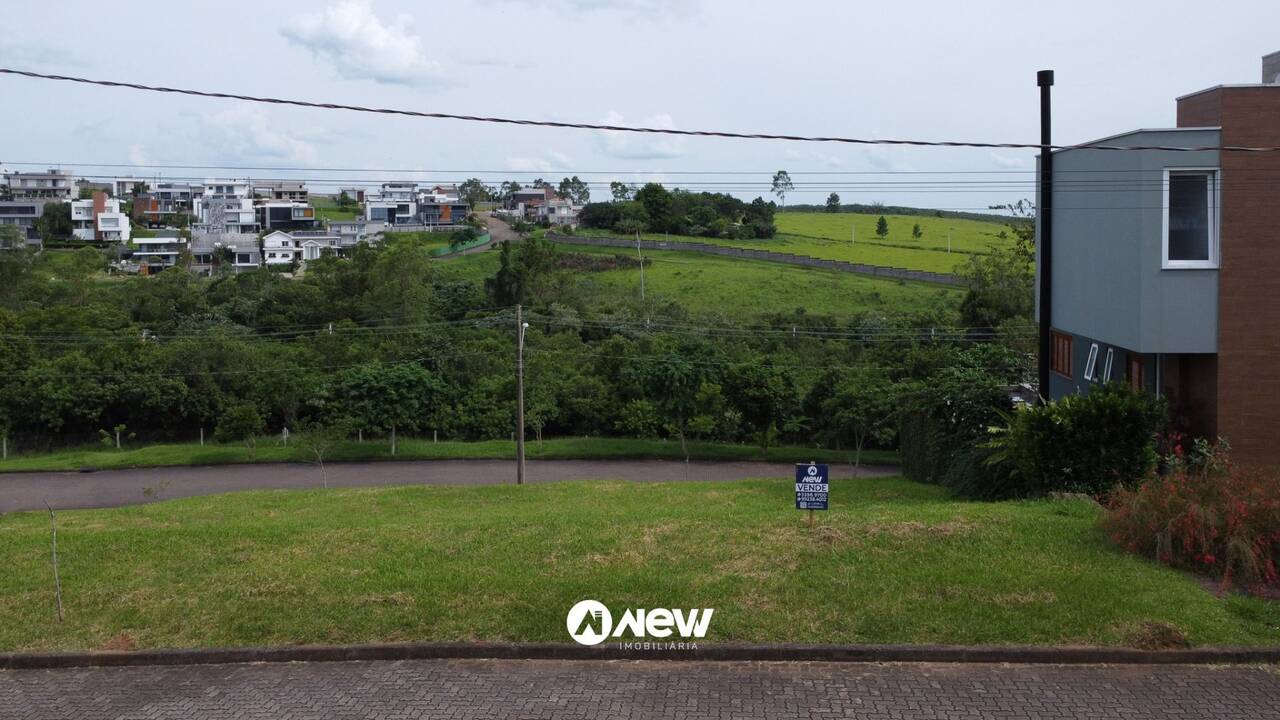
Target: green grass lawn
x=327 y=209
x=272 y=450
x=827 y=236
x=708 y=284
x=892 y=562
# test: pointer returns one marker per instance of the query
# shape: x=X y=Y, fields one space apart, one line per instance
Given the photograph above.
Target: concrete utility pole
x=520 y=328
x=1044 y=79
x=641 y=256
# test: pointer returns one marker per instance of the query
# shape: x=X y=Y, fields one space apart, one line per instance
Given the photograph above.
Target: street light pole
x=1044 y=79
x=520 y=328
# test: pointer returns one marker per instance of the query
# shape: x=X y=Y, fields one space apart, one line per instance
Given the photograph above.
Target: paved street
x=458 y=689
x=113 y=488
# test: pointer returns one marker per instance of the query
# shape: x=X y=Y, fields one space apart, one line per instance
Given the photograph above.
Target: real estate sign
x=812 y=487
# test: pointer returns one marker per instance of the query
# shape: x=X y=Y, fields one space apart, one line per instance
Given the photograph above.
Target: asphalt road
x=114 y=488
x=550 y=689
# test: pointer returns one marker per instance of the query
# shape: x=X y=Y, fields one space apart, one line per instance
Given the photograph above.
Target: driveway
x=114 y=488
x=551 y=689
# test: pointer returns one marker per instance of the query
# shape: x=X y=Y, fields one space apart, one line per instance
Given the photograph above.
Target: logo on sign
x=589 y=622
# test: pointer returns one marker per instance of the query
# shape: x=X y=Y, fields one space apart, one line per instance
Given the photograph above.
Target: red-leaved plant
x=1203 y=514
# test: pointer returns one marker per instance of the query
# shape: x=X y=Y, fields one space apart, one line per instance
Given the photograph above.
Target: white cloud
x=361 y=46
x=1007 y=161
x=245 y=133
x=640 y=146
x=552 y=160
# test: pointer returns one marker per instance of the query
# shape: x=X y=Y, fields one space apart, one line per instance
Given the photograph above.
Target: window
x=1091 y=366
x=1136 y=379
x=1060 y=360
x=1191 y=219
x=1106 y=368
x=243 y=259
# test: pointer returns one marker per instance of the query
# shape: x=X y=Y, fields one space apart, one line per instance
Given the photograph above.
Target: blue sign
x=812 y=487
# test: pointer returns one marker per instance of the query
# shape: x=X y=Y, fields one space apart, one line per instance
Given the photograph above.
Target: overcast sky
x=902 y=69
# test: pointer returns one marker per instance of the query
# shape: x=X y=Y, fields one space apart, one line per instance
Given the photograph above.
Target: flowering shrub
x=1205 y=515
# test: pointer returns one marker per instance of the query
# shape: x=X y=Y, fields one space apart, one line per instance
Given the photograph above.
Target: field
x=327 y=209
x=827 y=236
x=731 y=287
x=408 y=448
x=892 y=562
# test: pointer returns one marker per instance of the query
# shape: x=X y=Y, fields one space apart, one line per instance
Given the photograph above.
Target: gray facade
x=1109 y=283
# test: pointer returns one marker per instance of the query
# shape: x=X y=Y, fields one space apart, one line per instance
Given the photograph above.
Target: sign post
x=812 y=488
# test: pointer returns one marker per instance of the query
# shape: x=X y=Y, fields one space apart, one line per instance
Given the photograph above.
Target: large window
x=1060 y=361
x=1191 y=219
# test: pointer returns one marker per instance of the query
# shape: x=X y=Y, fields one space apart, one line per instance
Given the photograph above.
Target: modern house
x=279 y=248
x=213 y=251
x=352 y=232
x=24 y=214
x=396 y=204
x=99 y=219
x=54 y=185
x=159 y=205
x=158 y=253
x=543 y=204
x=226 y=206
x=1166 y=265
x=287 y=190
x=403 y=204
x=285 y=215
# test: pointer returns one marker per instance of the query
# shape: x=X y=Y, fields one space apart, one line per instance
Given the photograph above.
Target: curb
x=656 y=651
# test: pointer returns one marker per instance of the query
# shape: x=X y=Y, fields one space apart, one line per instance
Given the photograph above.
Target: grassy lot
x=827 y=235
x=271 y=450
x=892 y=562
x=707 y=284
x=327 y=209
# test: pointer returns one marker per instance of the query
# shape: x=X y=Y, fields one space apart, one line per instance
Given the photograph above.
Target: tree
x=621 y=191
x=657 y=203
x=240 y=422
x=882 y=227
x=833 y=203
x=388 y=398
x=475 y=191
x=575 y=190
x=1001 y=287
x=507 y=190
x=55 y=221
x=916 y=232
x=782 y=185
x=862 y=409
x=12 y=238
x=765 y=395
x=320 y=438
x=345 y=201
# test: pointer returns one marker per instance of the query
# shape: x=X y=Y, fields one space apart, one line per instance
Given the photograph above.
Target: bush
x=946 y=416
x=1206 y=516
x=240 y=422
x=1085 y=443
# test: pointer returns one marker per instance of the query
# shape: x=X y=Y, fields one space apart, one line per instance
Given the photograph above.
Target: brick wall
x=1249 y=294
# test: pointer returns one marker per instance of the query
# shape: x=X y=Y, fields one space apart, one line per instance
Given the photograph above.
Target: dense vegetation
x=390 y=340
x=680 y=212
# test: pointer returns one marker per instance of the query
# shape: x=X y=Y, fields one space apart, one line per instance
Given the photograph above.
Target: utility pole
x=1044 y=79
x=641 y=256
x=520 y=328
x=853 y=234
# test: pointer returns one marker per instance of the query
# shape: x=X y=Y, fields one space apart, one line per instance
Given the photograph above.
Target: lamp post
x=520 y=328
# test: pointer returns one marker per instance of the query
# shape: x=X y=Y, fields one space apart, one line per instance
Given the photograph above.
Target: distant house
x=24 y=214
x=543 y=204
x=158 y=253
x=225 y=206
x=279 y=248
x=287 y=190
x=285 y=215
x=99 y=219
x=54 y=185
x=404 y=204
x=212 y=251
x=160 y=205
x=1166 y=266
x=353 y=232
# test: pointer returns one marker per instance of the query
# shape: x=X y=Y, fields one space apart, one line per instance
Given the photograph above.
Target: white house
x=226 y=206
x=154 y=254
x=280 y=248
x=99 y=219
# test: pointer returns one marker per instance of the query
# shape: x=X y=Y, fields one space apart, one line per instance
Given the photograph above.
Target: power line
x=616 y=128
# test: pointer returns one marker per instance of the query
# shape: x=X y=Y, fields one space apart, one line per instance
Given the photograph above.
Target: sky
x=903 y=69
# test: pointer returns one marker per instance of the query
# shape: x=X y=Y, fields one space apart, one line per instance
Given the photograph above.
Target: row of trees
x=389 y=341
x=653 y=208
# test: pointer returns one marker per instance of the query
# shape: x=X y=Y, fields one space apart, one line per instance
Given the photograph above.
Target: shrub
x=1204 y=515
x=946 y=416
x=240 y=422
x=1085 y=443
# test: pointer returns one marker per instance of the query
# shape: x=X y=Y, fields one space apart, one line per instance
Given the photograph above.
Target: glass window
x=1191 y=219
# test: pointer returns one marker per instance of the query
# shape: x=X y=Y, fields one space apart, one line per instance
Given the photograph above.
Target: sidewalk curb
x=657 y=651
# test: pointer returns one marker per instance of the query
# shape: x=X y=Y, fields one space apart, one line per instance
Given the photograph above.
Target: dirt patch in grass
x=916 y=529
x=1155 y=635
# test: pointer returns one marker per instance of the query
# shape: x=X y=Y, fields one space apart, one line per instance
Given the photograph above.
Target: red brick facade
x=1248 y=366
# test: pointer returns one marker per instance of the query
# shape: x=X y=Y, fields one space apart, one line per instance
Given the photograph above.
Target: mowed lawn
x=712 y=285
x=892 y=562
x=828 y=236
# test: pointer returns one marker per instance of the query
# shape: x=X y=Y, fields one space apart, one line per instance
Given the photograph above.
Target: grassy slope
x=412 y=449
x=826 y=235
x=891 y=562
x=709 y=284
x=327 y=209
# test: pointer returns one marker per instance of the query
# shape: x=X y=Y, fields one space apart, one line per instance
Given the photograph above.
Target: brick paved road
x=564 y=689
